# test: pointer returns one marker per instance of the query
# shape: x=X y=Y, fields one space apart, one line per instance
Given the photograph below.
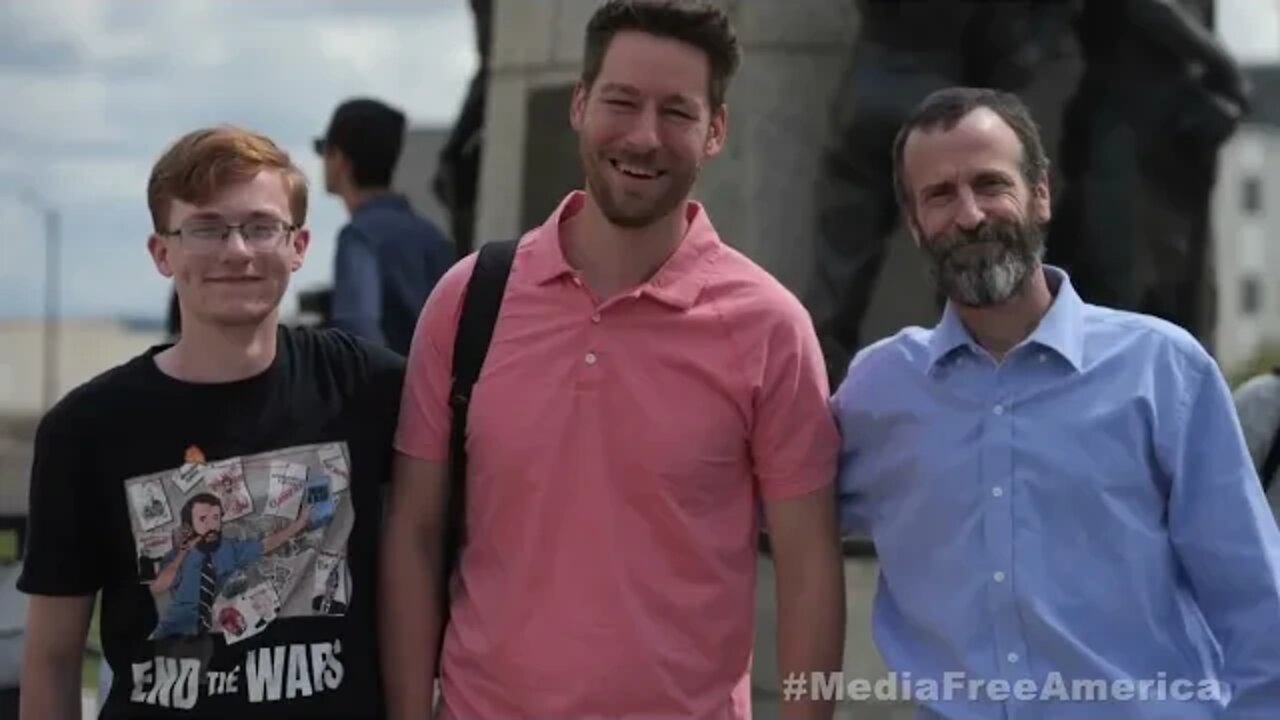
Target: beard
x=987 y=265
x=209 y=542
x=635 y=207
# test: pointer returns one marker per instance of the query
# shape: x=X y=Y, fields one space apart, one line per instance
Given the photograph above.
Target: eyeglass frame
x=287 y=229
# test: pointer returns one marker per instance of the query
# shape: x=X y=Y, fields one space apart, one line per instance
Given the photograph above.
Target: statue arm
x=1171 y=25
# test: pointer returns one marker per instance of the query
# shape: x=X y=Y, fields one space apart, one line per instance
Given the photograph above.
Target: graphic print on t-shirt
x=230 y=546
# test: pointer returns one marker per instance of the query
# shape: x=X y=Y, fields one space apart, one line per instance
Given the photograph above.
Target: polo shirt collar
x=677 y=283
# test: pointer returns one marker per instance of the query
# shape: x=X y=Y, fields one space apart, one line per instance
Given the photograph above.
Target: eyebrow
x=252 y=214
x=629 y=90
x=938 y=186
x=989 y=175
x=983 y=176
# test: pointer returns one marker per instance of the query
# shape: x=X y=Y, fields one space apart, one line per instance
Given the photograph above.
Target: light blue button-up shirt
x=1078 y=522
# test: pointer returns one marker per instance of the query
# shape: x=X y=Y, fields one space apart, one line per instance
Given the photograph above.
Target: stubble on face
x=636 y=202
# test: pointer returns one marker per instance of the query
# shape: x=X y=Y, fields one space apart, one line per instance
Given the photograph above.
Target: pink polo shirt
x=617 y=451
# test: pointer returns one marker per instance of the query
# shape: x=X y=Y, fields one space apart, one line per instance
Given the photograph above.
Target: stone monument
x=1159 y=97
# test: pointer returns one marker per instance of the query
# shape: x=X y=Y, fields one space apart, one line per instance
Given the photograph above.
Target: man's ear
x=159 y=252
x=299 y=243
x=1041 y=198
x=717 y=131
x=578 y=105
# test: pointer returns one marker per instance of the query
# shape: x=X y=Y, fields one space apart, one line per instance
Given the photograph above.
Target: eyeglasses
x=207 y=236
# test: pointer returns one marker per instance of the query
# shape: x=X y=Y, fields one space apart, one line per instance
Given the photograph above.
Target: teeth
x=633 y=170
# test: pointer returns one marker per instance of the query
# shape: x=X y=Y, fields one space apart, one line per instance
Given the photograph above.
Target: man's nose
x=969 y=215
x=236 y=245
x=643 y=135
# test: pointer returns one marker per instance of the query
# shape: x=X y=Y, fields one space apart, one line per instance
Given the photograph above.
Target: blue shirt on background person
x=1086 y=507
x=389 y=257
x=387 y=262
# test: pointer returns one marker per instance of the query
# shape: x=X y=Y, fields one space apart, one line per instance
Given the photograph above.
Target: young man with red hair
x=222 y=493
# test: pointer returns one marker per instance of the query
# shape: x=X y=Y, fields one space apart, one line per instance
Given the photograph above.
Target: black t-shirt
x=230 y=527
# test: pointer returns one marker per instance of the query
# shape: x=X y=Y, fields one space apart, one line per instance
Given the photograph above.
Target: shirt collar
x=677 y=283
x=1061 y=329
x=383 y=201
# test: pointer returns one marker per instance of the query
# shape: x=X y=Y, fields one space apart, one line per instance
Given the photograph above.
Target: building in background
x=418 y=161
x=1246 y=229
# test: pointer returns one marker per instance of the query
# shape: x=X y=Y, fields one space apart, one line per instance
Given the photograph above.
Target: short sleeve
x=423 y=428
x=794 y=439
x=64 y=530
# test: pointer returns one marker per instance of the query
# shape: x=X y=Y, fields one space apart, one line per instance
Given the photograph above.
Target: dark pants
x=856 y=204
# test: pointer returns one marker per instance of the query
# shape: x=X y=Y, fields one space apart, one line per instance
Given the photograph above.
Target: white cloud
x=108 y=179
x=70 y=108
x=95 y=89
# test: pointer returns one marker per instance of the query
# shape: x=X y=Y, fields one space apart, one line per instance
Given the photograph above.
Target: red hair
x=201 y=163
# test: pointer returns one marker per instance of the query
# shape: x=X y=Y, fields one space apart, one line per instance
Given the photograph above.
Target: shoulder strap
x=480 y=305
x=1272 y=461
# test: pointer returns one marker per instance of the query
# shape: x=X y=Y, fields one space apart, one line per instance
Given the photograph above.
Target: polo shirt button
x=591 y=358
x=595 y=317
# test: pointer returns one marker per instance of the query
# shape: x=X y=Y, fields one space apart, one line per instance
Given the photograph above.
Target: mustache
x=1002 y=233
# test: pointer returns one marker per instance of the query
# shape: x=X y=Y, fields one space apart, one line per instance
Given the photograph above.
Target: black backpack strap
x=1272 y=461
x=480 y=305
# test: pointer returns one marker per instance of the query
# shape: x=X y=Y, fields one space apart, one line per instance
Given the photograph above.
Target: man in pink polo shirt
x=647 y=390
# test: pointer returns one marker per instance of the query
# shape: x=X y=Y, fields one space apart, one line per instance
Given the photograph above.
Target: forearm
x=409 y=623
x=811 y=629
x=51 y=687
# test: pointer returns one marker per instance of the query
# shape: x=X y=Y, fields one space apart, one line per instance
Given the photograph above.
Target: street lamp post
x=49 y=330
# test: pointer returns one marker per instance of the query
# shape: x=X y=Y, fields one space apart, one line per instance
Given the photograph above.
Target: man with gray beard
x=1066 y=516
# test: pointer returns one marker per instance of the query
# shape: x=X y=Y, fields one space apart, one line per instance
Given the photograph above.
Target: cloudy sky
x=92 y=90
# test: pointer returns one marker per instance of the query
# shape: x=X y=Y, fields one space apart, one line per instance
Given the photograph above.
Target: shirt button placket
x=998 y=495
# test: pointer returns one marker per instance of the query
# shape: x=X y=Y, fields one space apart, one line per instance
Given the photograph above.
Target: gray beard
x=990 y=281
x=988 y=275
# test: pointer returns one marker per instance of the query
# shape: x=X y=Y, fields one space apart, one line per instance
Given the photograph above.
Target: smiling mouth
x=635 y=171
x=234 y=281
